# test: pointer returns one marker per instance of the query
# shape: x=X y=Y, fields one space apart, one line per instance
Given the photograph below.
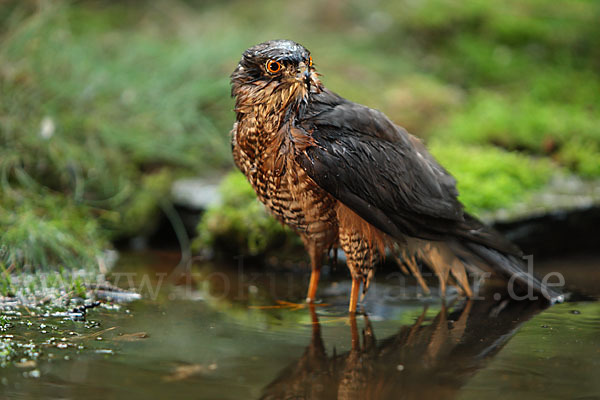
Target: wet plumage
x=343 y=175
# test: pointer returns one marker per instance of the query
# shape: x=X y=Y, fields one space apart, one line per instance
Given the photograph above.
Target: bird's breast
x=267 y=159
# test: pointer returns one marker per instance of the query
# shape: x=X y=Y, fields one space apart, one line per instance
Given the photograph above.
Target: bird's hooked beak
x=304 y=74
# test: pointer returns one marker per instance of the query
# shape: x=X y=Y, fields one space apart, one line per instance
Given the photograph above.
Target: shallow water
x=214 y=333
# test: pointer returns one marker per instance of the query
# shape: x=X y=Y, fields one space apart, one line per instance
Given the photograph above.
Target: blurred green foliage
x=97 y=118
x=104 y=103
x=47 y=230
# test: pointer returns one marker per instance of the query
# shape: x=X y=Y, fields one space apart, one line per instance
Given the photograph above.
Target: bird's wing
x=380 y=171
x=388 y=178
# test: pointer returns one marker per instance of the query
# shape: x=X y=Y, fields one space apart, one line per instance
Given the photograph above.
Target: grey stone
x=195 y=193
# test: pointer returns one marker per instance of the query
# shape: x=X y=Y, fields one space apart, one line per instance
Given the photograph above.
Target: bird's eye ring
x=273 y=66
x=310 y=62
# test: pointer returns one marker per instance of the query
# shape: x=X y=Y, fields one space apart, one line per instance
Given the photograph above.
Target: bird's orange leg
x=314 y=283
x=316 y=256
x=354 y=295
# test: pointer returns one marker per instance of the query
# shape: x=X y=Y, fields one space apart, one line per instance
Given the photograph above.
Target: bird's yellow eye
x=310 y=61
x=273 y=67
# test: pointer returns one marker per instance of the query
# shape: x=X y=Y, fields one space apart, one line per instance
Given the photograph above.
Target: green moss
x=140 y=212
x=535 y=126
x=7 y=352
x=6 y=286
x=241 y=223
x=490 y=178
x=47 y=231
x=582 y=156
x=78 y=288
x=541 y=128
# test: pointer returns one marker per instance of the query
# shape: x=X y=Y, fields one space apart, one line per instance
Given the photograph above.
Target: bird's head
x=277 y=73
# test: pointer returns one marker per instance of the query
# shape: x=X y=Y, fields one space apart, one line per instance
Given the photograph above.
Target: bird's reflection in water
x=430 y=359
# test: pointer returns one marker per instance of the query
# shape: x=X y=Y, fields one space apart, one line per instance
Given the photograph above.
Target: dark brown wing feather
x=385 y=174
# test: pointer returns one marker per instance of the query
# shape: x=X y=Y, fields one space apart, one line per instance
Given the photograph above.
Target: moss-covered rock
x=240 y=224
x=488 y=179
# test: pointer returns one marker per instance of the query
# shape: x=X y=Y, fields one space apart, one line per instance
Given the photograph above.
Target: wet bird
x=343 y=175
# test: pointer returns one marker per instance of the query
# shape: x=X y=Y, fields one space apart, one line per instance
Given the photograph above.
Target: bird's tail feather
x=515 y=269
x=451 y=260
